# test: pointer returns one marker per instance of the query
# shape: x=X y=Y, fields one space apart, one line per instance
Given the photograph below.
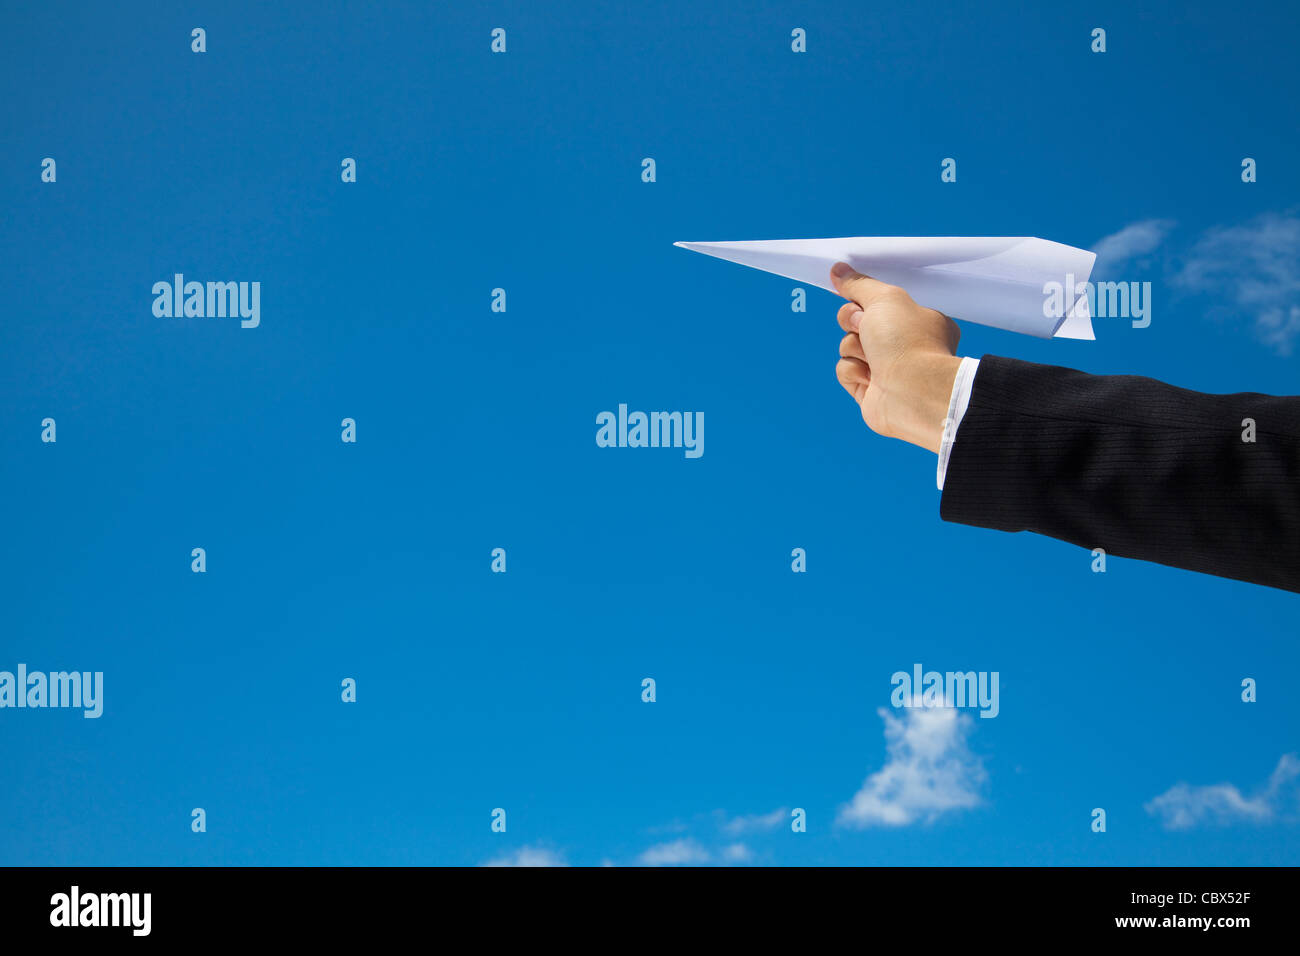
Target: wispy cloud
x=1182 y=806
x=716 y=844
x=1256 y=268
x=1249 y=271
x=737 y=853
x=755 y=821
x=712 y=839
x=676 y=853
x=529 y=856
x=1132 y=242
x=930 y=770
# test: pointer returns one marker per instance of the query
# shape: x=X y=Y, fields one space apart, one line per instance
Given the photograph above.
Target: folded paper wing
x=1004 y=282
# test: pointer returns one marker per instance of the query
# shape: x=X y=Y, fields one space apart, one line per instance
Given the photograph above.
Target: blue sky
x=476 y=430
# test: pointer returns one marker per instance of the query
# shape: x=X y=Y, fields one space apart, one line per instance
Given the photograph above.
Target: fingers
x=856 y=287
x=855 y=376
x=852 y=369
x=849 y=316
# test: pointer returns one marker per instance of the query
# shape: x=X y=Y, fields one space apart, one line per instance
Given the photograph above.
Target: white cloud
x=711 y=847
x=676 y=853
x=1256 y=267
x=756 y=821
x=1279 y=327
x=737 y=853
x=529 y=856
x=1182 y=806
x=1138 y=239
x=930 y=770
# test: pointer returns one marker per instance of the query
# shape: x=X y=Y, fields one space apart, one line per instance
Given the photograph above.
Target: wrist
x=926 y=388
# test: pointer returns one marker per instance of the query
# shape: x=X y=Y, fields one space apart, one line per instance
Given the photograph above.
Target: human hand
x=898 y=360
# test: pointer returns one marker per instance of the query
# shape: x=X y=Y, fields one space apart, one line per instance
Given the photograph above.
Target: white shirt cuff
x=960 y=398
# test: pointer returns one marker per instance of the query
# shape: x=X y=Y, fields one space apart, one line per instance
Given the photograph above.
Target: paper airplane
x=1017 y=283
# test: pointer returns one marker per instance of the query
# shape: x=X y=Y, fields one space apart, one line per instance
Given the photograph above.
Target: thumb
x=855 y=286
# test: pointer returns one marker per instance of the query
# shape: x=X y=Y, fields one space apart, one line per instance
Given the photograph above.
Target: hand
x=898 y=360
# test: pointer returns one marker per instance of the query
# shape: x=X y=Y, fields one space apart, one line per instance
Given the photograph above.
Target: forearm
x=1134 y=466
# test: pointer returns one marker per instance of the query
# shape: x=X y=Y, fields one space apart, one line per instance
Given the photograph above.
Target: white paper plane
x=1005 y=282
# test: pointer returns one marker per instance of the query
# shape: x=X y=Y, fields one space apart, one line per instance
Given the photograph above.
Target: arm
x=1128 y=464
x=1132 y=465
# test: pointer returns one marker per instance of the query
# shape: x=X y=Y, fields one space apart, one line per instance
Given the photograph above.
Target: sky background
x=476 y=431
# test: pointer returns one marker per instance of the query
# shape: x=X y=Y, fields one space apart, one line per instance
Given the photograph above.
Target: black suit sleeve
x=1137 y=467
